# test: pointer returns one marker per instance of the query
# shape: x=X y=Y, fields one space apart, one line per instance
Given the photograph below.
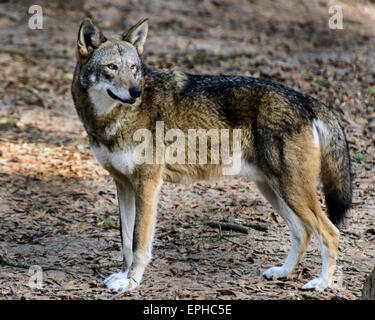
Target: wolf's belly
x=121 y=161
x=189 y=173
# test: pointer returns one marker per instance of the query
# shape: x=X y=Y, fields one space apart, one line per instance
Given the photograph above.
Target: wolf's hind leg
x=301 y=199
x=299 y=233
x=328 y=236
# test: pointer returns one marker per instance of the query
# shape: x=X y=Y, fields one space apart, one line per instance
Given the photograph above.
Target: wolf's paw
x=318 y=284
x=276 y=273
x=120 y=282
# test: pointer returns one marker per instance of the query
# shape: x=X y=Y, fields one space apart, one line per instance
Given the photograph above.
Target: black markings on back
x=215 y=87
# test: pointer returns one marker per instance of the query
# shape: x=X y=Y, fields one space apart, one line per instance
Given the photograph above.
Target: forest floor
x=58 y=207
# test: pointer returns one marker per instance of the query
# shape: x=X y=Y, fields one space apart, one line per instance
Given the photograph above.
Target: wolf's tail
x=335 y=167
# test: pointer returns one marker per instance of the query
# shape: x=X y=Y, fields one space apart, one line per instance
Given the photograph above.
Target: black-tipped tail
x=337 y=206
x=336 y=174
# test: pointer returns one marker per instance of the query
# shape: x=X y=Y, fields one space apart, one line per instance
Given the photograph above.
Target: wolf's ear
x=89 y=37
x=137 y=35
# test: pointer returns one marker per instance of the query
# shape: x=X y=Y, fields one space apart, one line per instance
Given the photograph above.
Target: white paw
x=120 y=282
x=276 y=273
x=318 y=284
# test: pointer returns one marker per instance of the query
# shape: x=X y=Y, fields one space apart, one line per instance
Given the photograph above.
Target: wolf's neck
x=159 y=84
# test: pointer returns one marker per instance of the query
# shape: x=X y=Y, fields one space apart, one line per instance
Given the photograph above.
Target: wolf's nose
x=135 y=92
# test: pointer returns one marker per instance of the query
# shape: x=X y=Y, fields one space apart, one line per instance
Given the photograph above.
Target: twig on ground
x=66 y=244
x=267 y=253
x=256 y=226
x=8 y=16
x=67 y=289
x=12 y=263
x=115 y=296
x=106 y=265
x=195 y=238
x=310 y=296
x=235 y=242
x=35 y=54
x=344 y=260
x=221 y=236
x=64 y=219
x=37 y=94
x=24 y=265
x=227 y=226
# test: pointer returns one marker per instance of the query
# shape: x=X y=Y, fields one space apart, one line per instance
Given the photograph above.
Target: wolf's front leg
x=146 y=198
x=126 y=200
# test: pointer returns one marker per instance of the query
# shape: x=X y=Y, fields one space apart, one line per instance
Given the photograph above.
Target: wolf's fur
x=289 y=140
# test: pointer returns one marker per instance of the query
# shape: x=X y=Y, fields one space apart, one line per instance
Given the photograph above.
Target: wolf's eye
x=133 y=67
x=112 y=66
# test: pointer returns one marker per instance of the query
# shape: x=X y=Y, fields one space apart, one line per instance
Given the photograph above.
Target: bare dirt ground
x=58 y=208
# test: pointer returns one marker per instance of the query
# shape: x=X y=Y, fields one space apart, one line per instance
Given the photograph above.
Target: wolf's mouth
x=113 y=96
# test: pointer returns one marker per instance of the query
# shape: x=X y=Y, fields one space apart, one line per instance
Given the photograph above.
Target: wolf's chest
x=118 y=159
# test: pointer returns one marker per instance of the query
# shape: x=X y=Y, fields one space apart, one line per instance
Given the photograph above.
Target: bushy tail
x=335 y=168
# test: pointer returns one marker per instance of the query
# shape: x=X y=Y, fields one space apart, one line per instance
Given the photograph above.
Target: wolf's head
x=111 y=68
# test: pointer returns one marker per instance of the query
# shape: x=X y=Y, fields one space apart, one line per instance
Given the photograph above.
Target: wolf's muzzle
x=113 y=96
